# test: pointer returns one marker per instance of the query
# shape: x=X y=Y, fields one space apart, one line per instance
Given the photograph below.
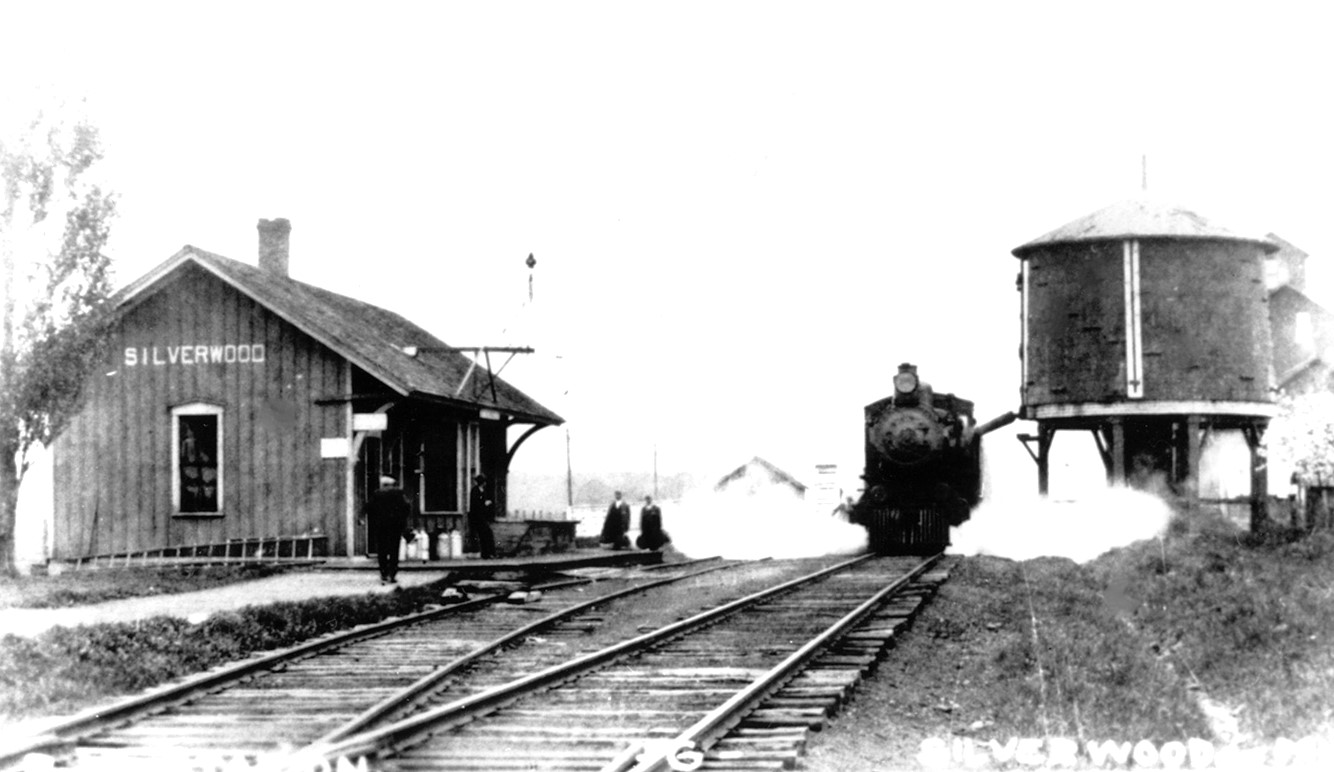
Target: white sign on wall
x=333 y=447
x=370 y=422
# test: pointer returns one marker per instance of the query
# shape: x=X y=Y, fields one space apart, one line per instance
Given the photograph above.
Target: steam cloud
x=1080 y=529
x=766 y=523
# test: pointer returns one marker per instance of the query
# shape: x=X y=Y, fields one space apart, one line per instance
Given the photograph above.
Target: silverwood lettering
x=227 y=353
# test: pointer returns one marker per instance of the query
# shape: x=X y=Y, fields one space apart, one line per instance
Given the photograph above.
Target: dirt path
x=197 y=606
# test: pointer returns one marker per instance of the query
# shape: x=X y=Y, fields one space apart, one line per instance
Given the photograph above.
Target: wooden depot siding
x=114 y=459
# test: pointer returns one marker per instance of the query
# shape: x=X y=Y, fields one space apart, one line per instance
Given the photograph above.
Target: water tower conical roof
x=1140 y=218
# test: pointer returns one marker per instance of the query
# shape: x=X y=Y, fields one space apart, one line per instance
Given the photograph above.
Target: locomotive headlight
x=905 y=382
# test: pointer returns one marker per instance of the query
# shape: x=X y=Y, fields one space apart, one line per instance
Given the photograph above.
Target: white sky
x=745 y=215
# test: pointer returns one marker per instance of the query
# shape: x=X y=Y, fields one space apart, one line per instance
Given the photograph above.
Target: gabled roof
x=1287 y=250
x=402 y=355
x=775 y=474
x=1286 y=379
x=1140 y=218
x=1302 y=302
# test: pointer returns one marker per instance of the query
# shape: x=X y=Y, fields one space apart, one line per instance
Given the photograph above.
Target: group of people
x=616 y=526
x=388 y=508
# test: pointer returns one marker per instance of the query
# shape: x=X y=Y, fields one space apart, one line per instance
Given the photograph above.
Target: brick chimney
x=273 y=236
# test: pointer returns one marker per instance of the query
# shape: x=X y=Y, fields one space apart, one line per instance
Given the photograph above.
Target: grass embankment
x=1249 y=620
x=80 y=588
x=1128 y=647
x=66 y=669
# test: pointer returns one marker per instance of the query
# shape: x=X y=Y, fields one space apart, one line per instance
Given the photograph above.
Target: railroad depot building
x=238 y=406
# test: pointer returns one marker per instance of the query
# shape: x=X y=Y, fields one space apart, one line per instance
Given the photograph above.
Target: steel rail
x=378 y=741
x=425 y=685
x=638 y=757
x=97 y=719
x=684 y=563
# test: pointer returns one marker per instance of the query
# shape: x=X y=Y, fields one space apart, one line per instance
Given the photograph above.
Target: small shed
x=759 y=476
x=242 y=411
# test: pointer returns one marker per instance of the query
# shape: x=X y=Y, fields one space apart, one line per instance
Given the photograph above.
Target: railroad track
x=738 y=685
x=320 y=690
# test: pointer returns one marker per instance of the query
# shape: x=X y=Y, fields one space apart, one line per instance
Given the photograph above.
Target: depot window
x=196 y=461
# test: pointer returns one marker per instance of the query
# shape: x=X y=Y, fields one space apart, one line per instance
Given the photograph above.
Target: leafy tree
x=54 y=224
x=1303 y=435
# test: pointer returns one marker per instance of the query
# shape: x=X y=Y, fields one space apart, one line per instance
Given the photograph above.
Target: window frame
x=196 y=409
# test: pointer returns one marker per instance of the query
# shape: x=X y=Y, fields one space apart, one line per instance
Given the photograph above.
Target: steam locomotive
x=923 y=469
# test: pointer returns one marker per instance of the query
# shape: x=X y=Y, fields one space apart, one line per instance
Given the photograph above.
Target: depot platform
x=546 y=563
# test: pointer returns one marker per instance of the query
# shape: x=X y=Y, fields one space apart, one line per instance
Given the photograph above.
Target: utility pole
x=569 y=475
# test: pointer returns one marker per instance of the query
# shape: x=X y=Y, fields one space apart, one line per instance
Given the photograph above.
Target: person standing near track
x=651 y=535
x=388 y=509
x=617 y=524
x=481 y=512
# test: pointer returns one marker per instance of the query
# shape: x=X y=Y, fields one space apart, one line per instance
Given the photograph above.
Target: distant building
x=1302 y=329
x=1303 y=340
x=239 y=406
x=758 y=476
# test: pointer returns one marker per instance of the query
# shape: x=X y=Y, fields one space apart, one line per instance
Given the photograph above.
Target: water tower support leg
x=1254 y=434
x=1045 y=434
x=1193 y=444
x=1118 y=476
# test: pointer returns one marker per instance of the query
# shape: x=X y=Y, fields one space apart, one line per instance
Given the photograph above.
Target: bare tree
x=54 y=225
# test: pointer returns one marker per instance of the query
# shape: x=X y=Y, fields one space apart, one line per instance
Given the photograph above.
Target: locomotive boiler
x=923 y=469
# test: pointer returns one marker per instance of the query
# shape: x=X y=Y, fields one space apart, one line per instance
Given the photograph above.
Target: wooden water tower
x=1147 y=325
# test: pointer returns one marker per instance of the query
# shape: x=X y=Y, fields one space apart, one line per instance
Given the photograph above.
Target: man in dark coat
x=616 y=525
x=481 y=512
x=388 y=509
x=651 y=535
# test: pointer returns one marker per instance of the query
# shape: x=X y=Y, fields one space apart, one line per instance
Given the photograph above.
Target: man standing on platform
x=388 y=509
x=651 y=534
x=617 y=524
x=481 y=512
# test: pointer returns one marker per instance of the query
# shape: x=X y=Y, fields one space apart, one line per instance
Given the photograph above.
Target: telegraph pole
x=569 y=474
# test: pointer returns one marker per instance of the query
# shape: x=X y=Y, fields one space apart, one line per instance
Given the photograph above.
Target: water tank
x=1144 y=308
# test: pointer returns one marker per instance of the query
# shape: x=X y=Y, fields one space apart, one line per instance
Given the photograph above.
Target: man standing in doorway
x=388 y=509
x=481 y=511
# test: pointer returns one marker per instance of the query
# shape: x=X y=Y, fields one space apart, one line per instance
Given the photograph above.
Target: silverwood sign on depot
x=227 y=353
